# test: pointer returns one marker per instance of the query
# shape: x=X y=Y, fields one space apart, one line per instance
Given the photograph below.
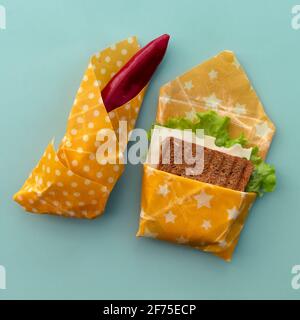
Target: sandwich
x=198 y=188
x=244 y=170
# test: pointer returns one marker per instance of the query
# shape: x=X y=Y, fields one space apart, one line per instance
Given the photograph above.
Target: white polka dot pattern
x=72 y=183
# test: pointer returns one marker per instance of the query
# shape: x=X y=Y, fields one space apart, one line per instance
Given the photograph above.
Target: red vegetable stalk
x=135 y=74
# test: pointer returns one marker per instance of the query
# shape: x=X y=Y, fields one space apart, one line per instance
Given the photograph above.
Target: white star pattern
x=212 y=102
x=170 y=217
x=149 y=233
x=211 y=219
x=213 y=75
x=203 y=200
x=190 y=115
x=163 y=190
x=188 y=85
x=181 y=240
x=149 y=171
x=206 y=224
x=232 y=213
x=239 y=109
x=262 y=129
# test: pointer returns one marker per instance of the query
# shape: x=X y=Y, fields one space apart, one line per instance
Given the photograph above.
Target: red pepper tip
x=165 y=37
x=135 y=74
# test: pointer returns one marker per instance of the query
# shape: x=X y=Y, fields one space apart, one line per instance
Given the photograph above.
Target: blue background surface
x=43 y=54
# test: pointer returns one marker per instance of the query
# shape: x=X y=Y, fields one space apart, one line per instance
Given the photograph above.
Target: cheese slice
x=236 y=150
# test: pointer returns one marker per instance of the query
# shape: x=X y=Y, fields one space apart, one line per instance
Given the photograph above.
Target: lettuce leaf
x=263 y=178
x=213 y=125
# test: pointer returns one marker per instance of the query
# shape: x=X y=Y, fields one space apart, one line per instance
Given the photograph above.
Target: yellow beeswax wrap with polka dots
x=190 y=212
x=70 y=182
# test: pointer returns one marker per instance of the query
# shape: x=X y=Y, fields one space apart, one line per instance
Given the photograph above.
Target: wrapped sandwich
x=76 y=180
x=206 y=208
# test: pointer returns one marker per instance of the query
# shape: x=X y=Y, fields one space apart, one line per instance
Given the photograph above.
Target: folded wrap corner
x=219 y=84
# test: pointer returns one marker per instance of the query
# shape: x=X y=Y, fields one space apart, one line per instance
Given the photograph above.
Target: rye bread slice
x=218 y=169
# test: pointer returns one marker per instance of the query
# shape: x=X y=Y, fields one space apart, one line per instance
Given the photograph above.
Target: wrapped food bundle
x=208 y=209
x=75 y=180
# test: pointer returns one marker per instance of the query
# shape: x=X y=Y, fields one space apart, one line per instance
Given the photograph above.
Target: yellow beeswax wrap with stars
x=219 y=84
x=70 y=182
x=190 y=212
